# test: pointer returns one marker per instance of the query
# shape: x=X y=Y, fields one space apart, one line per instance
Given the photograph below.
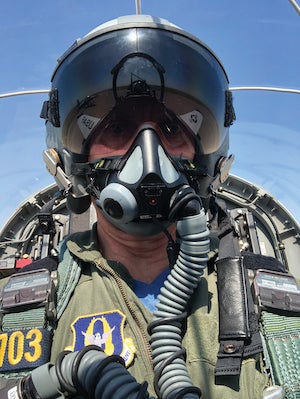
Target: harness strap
x=69 y=272
x=27 y=315
x=279 y=325
x=33 y=318
x=238 y=325
x=26 y=336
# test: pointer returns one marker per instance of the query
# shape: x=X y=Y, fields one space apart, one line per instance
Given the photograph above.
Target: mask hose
x=171 y=375
x=88 y=373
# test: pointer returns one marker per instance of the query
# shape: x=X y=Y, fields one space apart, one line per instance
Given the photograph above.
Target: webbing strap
x=26 y=319
x=282 y=335
x=237 y=317
x=27 y=335
x=69 y=271
x=238 y=325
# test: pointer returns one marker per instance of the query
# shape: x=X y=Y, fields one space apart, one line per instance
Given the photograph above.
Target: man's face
x=116 y=139
x=123 y=124
x=142 y=189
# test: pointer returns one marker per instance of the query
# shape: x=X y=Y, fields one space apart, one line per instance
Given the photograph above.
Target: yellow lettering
x=35 y=337
x=3 y=345
x=15 y=348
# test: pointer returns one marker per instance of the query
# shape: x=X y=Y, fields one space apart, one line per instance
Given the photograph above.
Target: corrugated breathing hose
x=87 y=373
x=171 y=376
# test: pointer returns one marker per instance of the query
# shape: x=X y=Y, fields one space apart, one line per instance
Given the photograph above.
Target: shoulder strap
x=280 y=329
x=34 y=325
x=238 y=325
x=69 y=271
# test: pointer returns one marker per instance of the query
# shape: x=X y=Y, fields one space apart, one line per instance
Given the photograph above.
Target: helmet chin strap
x=142 y=188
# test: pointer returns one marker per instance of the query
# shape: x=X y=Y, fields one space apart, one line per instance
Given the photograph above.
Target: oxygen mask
x=138 y=176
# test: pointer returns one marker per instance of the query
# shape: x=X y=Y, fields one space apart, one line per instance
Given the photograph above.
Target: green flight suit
x=104 y=287
x=102 y=300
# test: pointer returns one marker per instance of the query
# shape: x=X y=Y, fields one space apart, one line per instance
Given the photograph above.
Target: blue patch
x=24 y=349
x=105 y=330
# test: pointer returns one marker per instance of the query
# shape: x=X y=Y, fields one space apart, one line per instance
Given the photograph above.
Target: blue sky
x=257 y=42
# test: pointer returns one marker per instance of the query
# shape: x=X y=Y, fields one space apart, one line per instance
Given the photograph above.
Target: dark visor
x=181 y=73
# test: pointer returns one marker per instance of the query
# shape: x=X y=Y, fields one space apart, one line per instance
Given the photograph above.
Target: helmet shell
x=179 y=69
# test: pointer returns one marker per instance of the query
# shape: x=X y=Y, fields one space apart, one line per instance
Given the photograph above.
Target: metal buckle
x=244 y=225
x=29 y=290
x=276 y=290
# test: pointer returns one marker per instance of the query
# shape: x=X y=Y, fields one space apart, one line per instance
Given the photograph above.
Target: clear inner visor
x=116 y=133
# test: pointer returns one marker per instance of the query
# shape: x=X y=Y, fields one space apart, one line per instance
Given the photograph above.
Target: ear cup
x=118 y=203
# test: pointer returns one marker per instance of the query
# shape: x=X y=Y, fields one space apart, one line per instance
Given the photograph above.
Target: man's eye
x=173 y=135
x=170 y=129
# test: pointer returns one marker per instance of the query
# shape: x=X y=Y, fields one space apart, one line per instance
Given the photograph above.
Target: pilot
x=137 y=127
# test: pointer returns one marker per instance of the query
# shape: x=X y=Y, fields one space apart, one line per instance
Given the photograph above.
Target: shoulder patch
x=105 y=330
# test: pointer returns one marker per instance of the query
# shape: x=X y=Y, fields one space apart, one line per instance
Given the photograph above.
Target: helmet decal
x=193 y=120
x=86 y=124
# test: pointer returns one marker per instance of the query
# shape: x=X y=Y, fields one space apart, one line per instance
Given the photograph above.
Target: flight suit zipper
x=140 y=329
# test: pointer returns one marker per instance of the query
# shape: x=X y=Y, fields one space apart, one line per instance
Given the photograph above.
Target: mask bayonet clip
x=51 y=160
